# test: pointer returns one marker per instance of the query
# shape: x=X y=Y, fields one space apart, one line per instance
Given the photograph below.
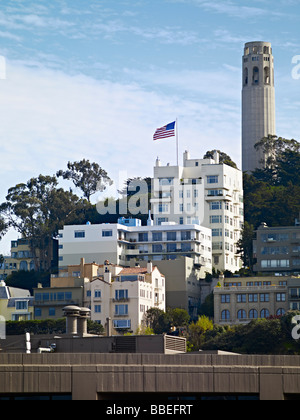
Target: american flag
x=165 y=131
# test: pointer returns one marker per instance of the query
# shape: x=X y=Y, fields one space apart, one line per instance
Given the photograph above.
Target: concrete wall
x=103 y=376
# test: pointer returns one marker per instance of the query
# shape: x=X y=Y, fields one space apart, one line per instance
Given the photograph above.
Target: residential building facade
x=15 y=304
x=124 y=295
x=184 y=249
x=240 y=301
x=66 y=288
x=21 y=258
x=207 y=193
x=277 y=250
x=120 y=244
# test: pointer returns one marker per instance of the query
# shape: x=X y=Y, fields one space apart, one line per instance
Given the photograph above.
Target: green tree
x=178 y=317
x=224 y=158
x=87 y=176
x=37 y=210
x=197 y=331
x=207 y=308
x=158 y=320
x=245 y=246
x=275 y=147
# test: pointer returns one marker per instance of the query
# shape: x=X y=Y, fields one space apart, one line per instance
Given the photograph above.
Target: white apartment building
x=124 y=295
x=204 y=192
x=122 y=242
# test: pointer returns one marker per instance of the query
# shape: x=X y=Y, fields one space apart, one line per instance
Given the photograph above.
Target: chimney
x=216 y=157
x=82 y=264
x=72 y=314
x=149 y=267
x=186 y=156
x=150 y=221
x=84 y=315
x=107 y=276
x=108 y=327
x=158 y=162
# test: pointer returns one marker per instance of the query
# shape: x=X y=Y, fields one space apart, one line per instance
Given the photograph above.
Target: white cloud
x=234 y=9
x=49 y=118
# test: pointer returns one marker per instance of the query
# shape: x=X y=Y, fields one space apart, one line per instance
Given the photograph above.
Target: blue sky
x=94 y=79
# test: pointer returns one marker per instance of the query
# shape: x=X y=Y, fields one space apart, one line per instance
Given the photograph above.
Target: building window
x=163 y=208
x=215 y=205
x=37 y=312
x=253 y=314
x=214 y=193
x=121 y=310
x=264 y=297
x=23 y=266
x=253 y=298
x=171 y=247
x=280 y=297
x=121 y=294
x=225 y=298
x=265 y=313
x=212 y=179
x=217 y=232
x=241 y=314
x=225 y=316
x=157 y=236
x=98 y=309
x=186 y=235
x=255 y=75
x=79 y=234
x=215 y=219
x=143 y=237
x=97 y=294
x=241 y=298
x=157 y=248
x=52 y=312
x=107 y=233
x=171 y=236
x=21 y=305
x=280 y=312
x=122 y=323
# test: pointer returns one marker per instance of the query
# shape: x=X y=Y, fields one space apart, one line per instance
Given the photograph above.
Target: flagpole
x=177 y=142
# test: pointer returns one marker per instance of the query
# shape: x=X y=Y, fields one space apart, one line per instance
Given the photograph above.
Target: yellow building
x=21 y=258
x=15 y=304
x=241 y=300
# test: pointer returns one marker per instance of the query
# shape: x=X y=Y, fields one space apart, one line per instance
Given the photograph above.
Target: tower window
x=255 y=76
x=246 y=76
x=267 y=75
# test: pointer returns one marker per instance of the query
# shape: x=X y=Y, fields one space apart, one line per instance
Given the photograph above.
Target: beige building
x=258 y=102
x=66 y=288
x=185 y=286
x=239 y=301
x=15 y=304
x=124 y=295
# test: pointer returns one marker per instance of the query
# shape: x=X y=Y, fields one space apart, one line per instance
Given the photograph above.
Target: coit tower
x=258 y=102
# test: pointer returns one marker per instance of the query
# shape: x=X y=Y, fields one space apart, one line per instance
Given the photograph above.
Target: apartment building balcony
x=226 y=289
x=161 y=200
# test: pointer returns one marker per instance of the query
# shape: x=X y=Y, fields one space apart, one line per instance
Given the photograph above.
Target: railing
x=248 y=288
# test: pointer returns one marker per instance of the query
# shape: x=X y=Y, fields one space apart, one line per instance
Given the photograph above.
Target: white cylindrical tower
x=258 y=102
